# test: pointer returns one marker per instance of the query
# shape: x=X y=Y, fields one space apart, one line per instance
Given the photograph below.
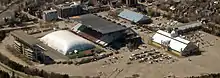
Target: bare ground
x=4 y=51
x=205 y=63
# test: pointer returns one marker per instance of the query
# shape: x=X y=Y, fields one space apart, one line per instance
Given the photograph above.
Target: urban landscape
x=109 y=38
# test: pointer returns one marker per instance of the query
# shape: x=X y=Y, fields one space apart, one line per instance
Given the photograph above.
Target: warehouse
x=192 y=26
x=134 y=17
x=174 y=44
x=66 y=42
x=98 y=30
x=34 y=49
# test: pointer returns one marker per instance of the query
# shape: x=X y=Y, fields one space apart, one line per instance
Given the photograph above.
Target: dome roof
x=66 y=42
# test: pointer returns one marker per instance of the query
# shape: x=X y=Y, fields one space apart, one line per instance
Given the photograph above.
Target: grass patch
x=86 y=53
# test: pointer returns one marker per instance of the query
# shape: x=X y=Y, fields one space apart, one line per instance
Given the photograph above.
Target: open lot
x=193 y=65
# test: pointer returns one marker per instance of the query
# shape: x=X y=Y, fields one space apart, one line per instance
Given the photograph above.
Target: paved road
x=16 y=28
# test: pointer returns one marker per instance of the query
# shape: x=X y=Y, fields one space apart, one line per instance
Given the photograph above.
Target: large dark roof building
x=98 y=30
x=99 y=24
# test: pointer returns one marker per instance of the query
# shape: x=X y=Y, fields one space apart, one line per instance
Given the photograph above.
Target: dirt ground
x=201 y=64
x=205 y=63
x=4 y=51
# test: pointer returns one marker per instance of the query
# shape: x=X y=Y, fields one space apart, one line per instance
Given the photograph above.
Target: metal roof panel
x=131 y=16
x=99 y=24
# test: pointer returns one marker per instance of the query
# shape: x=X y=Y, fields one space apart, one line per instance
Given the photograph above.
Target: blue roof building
x=134 y=16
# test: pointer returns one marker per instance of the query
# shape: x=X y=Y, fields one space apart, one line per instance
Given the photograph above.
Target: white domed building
x=66 y=42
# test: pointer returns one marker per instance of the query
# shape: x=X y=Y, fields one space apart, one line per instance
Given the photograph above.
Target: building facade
x=34 y=49
x=50 y=15
x=68 y=10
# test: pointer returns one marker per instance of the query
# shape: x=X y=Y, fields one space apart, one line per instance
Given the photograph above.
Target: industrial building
x=66 y=42
x=189 y=27
x=68 y=10
x=50 y=15
x=92 y=9
x=34 y=49
x=134 y=17
x=98 y=30
x=173 y=43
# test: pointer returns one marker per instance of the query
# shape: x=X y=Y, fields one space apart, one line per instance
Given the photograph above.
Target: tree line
x=4 y=74
x=5 y=2
x=29 y=71
x=212 y=75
